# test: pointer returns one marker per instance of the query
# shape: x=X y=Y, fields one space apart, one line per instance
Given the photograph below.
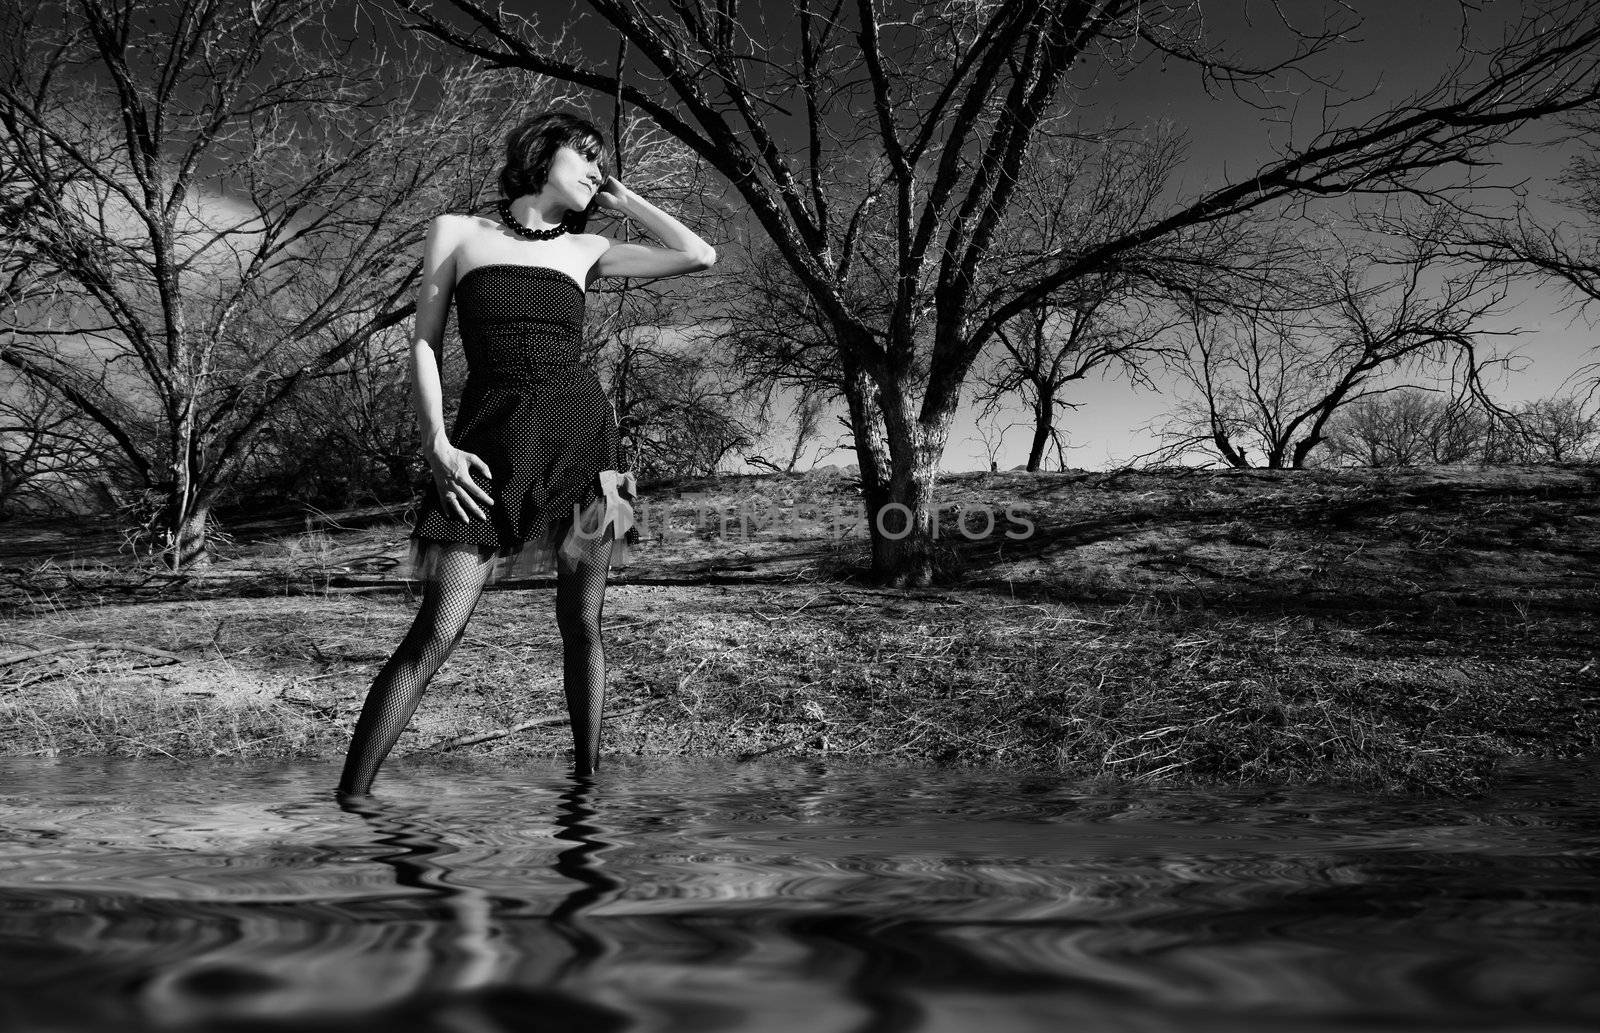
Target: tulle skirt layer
x=608 y=516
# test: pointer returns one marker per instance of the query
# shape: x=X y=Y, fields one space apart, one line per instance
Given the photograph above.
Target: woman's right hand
x=462 y=497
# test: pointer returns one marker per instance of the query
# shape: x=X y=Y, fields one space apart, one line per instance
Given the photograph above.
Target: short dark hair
x=532 y=146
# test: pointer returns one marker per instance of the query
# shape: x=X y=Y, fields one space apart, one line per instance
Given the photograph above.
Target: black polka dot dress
x=537 y=415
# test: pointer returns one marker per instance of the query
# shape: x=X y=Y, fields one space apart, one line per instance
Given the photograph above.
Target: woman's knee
x=437 y=630
x=578 y=624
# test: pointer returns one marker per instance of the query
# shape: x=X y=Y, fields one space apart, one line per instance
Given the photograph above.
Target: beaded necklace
x=523 y=231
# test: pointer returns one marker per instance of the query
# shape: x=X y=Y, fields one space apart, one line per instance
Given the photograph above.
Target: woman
x=529 y=474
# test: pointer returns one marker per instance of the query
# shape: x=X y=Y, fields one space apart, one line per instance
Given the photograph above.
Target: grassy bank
x=1405 y=630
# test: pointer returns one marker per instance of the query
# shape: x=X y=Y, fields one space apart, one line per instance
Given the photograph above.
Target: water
x=707 y=896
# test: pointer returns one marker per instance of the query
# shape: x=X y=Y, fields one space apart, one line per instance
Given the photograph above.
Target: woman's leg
x=580 y=596
x=450 y=596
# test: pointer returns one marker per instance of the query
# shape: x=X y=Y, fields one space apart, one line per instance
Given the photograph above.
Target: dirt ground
x=1400 y=627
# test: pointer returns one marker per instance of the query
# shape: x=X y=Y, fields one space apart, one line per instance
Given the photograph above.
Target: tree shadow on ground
x=1409 y=539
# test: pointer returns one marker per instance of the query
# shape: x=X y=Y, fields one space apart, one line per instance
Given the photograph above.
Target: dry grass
x=1179 y=628
x=1128 y=692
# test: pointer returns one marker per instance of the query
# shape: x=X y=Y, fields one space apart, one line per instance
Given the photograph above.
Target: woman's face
x=574 y=177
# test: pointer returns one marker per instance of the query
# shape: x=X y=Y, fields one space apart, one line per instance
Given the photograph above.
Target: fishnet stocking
x=580 y=597
x=447 y=603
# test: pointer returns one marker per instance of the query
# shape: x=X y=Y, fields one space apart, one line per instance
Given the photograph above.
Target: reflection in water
x=472 y=949
x=781 y=898
x=582 y=862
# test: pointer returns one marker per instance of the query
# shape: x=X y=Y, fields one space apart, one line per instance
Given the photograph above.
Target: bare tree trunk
x=184 y=536
x=902 y=528
x=1313 y=437
x=1043 y=423
x=185 y=532
x=1235 y=457
x=866 y=426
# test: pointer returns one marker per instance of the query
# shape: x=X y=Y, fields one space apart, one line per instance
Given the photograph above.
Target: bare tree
x=992 y=435
x=780 y=337
x=346 y=435
x=808 y=421
x=931 y=112
x=1044 y=350
x=803 y=423
x=1069 y=198
x=49 y=452
x=1557 y=242
x=679 y=412
x=1560 y=249
x=1413 y=427
x=1265 y=379
x=1558 y=430
x=219 y=212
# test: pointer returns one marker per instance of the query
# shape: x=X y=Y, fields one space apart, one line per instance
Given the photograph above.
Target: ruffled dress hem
x=609 y=514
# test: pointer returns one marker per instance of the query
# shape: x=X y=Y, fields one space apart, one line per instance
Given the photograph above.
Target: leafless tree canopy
x=1264 y=378
x=49 y=452
x=1411 y=427
x=880 y=146
x=1046 y=349
x=209 y=206
x=1563 y=429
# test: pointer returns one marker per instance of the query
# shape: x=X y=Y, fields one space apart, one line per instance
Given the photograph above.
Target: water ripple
x=135 y=895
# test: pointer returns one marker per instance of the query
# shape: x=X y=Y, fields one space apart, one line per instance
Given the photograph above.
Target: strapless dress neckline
x=525 y=268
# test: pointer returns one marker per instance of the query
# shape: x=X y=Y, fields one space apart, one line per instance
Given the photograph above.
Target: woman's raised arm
x=683 y=250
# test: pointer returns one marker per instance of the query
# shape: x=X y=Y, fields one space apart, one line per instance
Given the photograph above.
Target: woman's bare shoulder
x=450 y=232
x=458 y=223
x=595 y=244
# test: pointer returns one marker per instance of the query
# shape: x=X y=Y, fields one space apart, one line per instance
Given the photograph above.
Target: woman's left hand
x=613 y=196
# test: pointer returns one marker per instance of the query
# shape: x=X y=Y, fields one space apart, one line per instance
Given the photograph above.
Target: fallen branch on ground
x=99 y=647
